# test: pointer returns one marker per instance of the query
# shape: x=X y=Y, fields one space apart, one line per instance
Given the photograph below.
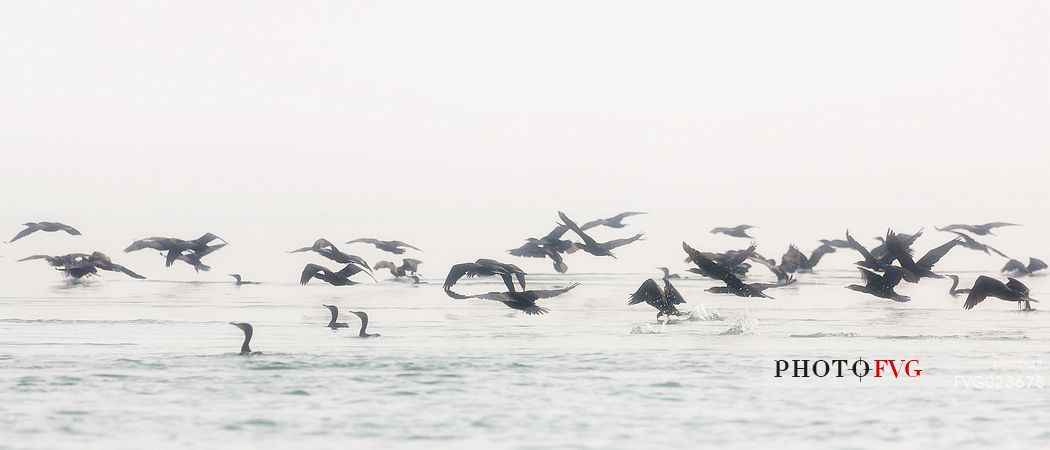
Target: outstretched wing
x=648 y=292
x=404 y=244
x=459 y=271
x=621 y=242
x=739 y=257
x=860 y=249
x=310 y=270
x=576 y=229
x=983 y=288
x=26 y=232
x=550 y=293
x=385 y=265
x=710 y=268
x=1014 y=265
x=1015 y=285
x=1035 y=264
x=933 y=256
x=671 y=294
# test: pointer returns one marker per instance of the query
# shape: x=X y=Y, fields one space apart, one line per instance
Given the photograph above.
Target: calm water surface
x=118 y=364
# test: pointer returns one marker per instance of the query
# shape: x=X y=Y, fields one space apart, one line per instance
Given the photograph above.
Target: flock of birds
x=882 y=268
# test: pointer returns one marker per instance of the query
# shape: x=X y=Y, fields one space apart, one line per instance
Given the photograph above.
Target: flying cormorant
x=979 y=230
x=1011 y=291
x=395 y=247
x=32 y=227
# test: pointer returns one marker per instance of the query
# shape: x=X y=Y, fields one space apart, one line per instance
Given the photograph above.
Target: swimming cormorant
x=247 y=329
x=364 y=324
x=668 y=275
x=335 y=315
x=237 y=276
x=32 y=227
x=954 y=291
x=1011 y=291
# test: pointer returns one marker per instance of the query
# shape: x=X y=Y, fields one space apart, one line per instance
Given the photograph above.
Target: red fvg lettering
x=905 y=365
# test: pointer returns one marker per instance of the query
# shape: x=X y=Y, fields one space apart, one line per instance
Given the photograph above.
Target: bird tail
x=536 y=310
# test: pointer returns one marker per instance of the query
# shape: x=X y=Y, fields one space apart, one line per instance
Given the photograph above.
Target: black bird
x=837 y=243
x=340 y=278
x=612 y=222
x=522 y=301
x=395 y=247
x=923 y=268
x=807 y=264
x=364 y=324
x=534 y=249
x=667 y=274
x=199 y=245
x=593 y=247
x=485 y=267
x=955 y=284
x=664 y=300
x=408 y=266
x=191 y=258
x=732 y=260
x=737 y=231
x=709 y=268
x=335 y=315
x=882 y=285
x=1017 y=268
x=78 y=265
x=788 y=265
x=972 y=244
x=1011 y=291
x=237 y=276
x=247 y=329
x=870 y=261
x=325 y=248
x=32 y=227
x=979 y=230
x=907 y=239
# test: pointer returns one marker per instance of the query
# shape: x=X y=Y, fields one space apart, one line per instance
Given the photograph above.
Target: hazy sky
x=444 y=122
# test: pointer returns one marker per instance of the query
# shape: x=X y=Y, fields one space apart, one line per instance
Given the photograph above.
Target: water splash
x=742 y=326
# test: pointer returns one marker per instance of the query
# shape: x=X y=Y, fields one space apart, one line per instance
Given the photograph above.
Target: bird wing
x=404 y=244
x=576 y=229
x=983 y=288
x=384 y=265
x=739 y=257
x=710 y=268
x=648 y=292
x=860 y=248
x=621 y=242
x=365 y=240
x=897 y=248
x=999 y=224
x=550 y=293
x=1014 y=265
x=119 y=268
x=411 y=265
x=624 y=215
x=593 y=224
x=171 y=256
x=298 y=250
x=1015 y=285
x=1035 y=264
x=671 y=294
x=322 y=243
x=49 y=258
x=350 y=271
x=26 y=232
x=459 y=271
x=310 y=270
x=933 y=256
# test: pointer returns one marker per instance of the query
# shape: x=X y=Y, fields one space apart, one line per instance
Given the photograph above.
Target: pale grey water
x=124 y=364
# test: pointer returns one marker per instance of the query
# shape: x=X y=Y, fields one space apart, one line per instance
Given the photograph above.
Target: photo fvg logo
x=840 y=368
